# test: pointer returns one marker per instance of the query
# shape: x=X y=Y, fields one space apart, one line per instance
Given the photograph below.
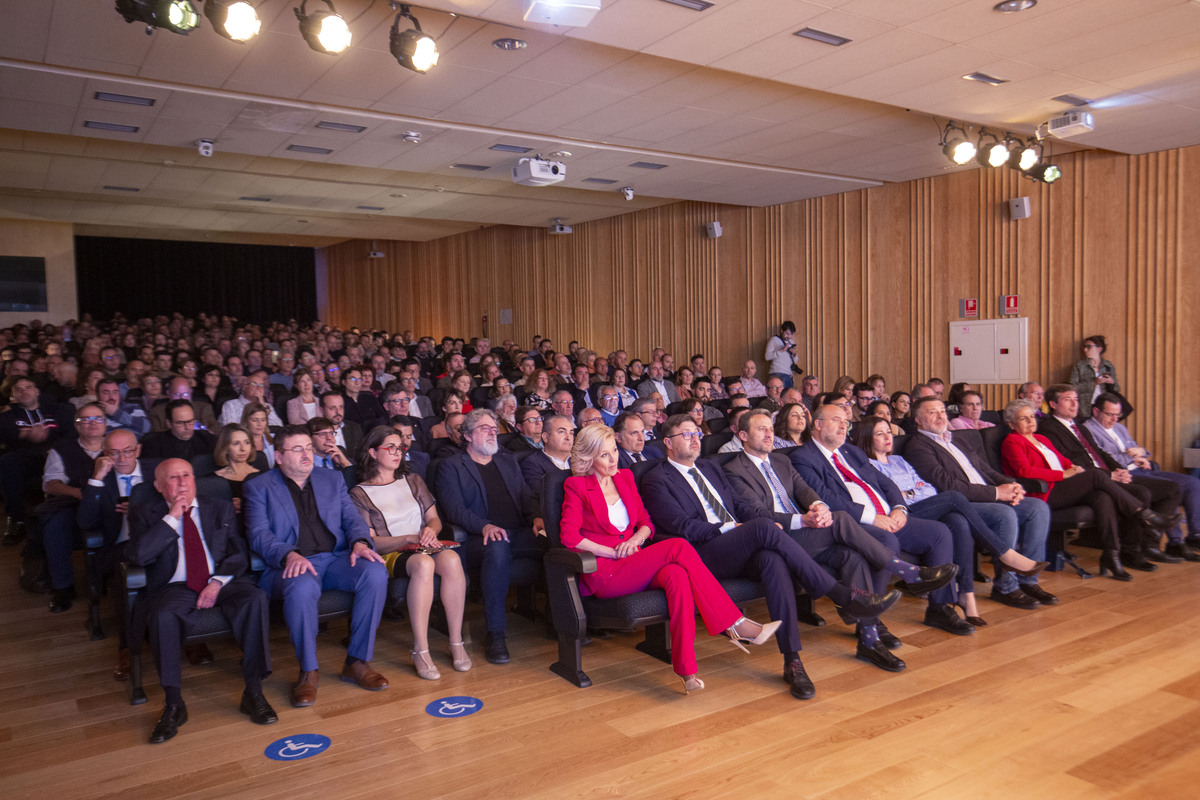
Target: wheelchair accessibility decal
x=450 y=707
x=297 y=747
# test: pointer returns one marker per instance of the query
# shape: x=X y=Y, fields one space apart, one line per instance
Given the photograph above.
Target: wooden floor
x=1096 y=697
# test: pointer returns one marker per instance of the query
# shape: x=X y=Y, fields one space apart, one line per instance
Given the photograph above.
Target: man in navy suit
x=483 y=492
x=692 y=499
x=842 y=478
x=312 y=538
x=632 y=447
x=558 y=437
x=195 y=559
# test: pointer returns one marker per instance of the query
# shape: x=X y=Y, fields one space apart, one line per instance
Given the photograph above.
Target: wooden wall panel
x=871 y=278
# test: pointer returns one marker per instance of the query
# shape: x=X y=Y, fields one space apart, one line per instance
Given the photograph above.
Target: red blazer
x=1021 y=459
x=585 y=516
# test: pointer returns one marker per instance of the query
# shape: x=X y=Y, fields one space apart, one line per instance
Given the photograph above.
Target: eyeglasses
x=391 y=448
x=1109 y=414
x=186 y=423
x=353 y=380
x=489 y=428
x=531 y=419
x=299 y=450
x=259 y=384
x=126 y=453
x=89 y=419
x=697 y=435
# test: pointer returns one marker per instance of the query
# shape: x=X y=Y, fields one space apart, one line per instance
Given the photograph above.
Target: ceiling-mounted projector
x=566 y=13
x=1072 y=123
x=538 y=172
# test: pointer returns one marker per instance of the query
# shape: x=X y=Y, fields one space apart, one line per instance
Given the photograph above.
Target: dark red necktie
x=193 y=553
x=850 y=477
x=1091 y=451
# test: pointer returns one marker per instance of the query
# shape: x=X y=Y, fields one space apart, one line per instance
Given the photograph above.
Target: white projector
x=538 y=172
x=566 y=13
x=558 y=229
x=1070 y=124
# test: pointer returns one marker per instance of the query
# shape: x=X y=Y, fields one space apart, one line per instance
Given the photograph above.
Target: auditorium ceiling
x=726 y=105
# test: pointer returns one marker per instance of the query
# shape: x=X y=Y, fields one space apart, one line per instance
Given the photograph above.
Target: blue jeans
x=1026 y=526
x=493 y=562
x=786 y=378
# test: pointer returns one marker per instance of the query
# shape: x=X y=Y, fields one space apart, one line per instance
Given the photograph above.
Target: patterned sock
x=909 y=572
x=868 y=636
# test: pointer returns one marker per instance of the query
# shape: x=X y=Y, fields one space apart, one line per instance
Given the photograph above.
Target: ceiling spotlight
x=1045 y=172
x=1013 y=6
x=413 y=48
x=234 y=19
x=955 y=144
x=177 y=16
x=993 y=153
x=1024 y=155
x=325 y=31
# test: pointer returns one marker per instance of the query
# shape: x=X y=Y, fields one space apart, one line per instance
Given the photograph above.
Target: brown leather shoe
x=360 y=672
x=304 y=693
x=198 y=654
x=121 y=670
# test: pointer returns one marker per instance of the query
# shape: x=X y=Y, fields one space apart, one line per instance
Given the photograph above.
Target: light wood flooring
x=1098 y=697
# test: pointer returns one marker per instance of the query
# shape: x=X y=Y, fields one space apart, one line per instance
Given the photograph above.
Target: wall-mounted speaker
x=714 y=230
x=1018 y=208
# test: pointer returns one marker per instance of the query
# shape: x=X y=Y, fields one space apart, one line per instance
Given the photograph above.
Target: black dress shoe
x=1138 y=561
x=1016 y=598
x=1039 y=594
x=1157 y=520
x=802 y=685
x=495 y=650
x=941 y=615
x=866 y=605
x=880 y=656
x=60 y=600
x=932 y=578
x=1182 y=550
x=1192 y=540
x=257 y=707
x=168 y=724
x=13 y=533
x=889 y=639
x=1154 y=554
x=198 y=654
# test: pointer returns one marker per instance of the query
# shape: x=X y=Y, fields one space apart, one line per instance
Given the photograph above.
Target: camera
x=628 y=192
x=205 y=147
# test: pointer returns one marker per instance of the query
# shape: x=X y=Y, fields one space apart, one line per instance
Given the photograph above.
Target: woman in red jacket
x=1026 y=454
x=603 y=514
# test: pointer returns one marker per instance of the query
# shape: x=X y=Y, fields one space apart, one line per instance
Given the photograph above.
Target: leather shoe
x=890 y=640
x=360 y=672
x=880 y=656
x=1154 y=554
x=124 y=665
x=495 y=649
x=802 y=685
x=14 y=532
x=932 y=578
x=866 y=605
x=1182 y=550
x=60 y=600
x=168 y=724
x=1192 y=540
x=304 y=693
x=1039 y=594
x=1016 y=598
x=198 y=654
x=257 y=707
x=1157 y=520
x=1138 y=561
x=942 y=615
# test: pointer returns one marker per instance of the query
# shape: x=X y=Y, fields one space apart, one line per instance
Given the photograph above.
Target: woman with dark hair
x=400 y=511
x=452 y=403
x=955 y=398
x=538 y=387
x=210 y=390
x=694 y=409
x=874 y=437
x=793 y=426
x=625 y=395
x=683 y=382
x=1093 y=373
x=304 y=406
x=901 y=405
x=603 y=515
x=361 y=405
x=881 y=409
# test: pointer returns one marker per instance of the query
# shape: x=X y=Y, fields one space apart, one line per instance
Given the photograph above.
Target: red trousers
x=675 y=567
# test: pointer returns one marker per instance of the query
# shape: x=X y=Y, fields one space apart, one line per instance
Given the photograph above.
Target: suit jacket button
x=621 y=536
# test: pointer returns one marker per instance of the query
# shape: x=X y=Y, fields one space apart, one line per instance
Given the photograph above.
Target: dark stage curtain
x=146 y=277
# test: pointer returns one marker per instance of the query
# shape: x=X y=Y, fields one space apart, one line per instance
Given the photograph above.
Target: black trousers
x=1114 y=504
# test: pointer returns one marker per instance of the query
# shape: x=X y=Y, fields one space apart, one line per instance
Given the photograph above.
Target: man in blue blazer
x=483 y=492
x=840 y=475
x=692 y=499
x=632 y=447
x=303 y=524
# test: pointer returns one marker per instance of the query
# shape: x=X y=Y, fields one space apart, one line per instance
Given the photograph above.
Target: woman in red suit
x=1026 y=454
x=603 y=515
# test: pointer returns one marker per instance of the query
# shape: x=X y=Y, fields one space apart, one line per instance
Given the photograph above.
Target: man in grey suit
x=656 y=382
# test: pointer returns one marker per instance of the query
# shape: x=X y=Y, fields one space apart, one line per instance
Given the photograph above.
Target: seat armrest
x=94 y=539
x=133 y=577
x=1031 y=485
x=573 y=560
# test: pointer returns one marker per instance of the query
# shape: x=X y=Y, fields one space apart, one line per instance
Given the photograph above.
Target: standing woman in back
x=1093 y=373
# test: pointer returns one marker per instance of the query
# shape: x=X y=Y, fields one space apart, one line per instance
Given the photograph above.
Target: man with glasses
x=529 y=426
x=254 y=390
x=483 y=492
x=183 y=437
x=282 y=376
x=180 y=389
x=646 y=409
x=693 y=499
x=304 y=525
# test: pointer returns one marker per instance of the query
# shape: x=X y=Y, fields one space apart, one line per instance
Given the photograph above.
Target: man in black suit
x=529 y=426
x=418 y=461
x=646 y=409
x=692 y=499
x=182 y=438
x=1160 y=499
x=632 y=447
x=452 y=443
x=558 y=437
x=483 y=492
x=347 y=433
x=196 y=559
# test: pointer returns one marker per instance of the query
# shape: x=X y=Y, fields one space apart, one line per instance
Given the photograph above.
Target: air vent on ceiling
x=256 y=199
x=821 y=36
x=370 y=208
x=341 y=126
x=694 y=5
x=511 y=148
x=122 y=188
x=647 y=165
x=598 y=180
x=133 y=100
x=471 y=167
x=110 y=126
x=307 y=148
x=983 y=77
x=1072 y=100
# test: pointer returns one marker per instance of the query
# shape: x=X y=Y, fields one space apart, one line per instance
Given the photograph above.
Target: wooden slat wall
x=871 y=278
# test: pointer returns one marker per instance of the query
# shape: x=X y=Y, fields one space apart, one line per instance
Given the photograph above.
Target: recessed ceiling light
x=647 y=165
x=694 y=5
x=510 y=44
x=983 y=77
x=1013 y=6
x=598 y=180
x=412 y=137
x=306 y=148
x=256 y=199
x=341 y=126
x=1072 y=100
x=372 y=208
x=821 y=36
x=471 y=167
x=561 y=154
x=122 y=189
x=511 y=148
x=397 y=195
x=110 y=126
x=133 y=100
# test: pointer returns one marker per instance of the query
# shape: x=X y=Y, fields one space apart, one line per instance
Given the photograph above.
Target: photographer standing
x=781 y=354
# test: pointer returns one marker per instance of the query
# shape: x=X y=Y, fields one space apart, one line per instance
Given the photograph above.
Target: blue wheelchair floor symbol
x=297 y=747
x=452 y=707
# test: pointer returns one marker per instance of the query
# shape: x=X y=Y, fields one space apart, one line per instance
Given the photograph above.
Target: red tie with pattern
x=1091 y=451
x=850 y=477
x=193 y=552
